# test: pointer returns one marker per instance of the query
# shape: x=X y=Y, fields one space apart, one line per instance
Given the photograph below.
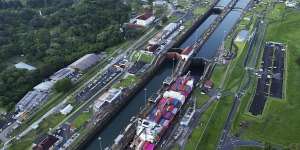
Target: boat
x=151 y=128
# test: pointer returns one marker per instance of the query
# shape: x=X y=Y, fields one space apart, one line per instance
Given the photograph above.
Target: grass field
x=141 y=56
x=126 y=82
x=200 y=98
x=81 y=119
x=200 y=128
x=280 y=123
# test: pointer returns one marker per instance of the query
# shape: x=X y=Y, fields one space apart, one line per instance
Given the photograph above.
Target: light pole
x=100 y=142
x=145 y=95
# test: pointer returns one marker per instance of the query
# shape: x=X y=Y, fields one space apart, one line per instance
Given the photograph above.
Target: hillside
x=51 y=34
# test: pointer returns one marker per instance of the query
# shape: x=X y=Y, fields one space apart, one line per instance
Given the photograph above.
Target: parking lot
x=270 y=82
x=262 y=88
x=101 y=81
x=278 y=69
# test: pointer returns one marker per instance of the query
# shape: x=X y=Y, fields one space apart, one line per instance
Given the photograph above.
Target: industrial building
x=62 y=73
x=109 y=96
x=45 y=86
x=31 y=100
x=85 y=62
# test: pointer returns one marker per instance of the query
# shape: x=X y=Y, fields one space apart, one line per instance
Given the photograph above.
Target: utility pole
x=100 y=142
x=173 y=67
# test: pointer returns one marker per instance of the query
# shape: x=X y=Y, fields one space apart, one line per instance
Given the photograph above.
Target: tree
x=164 y=19
x=63 y=85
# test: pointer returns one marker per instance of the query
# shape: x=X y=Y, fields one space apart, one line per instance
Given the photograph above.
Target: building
x=85 y=62
x=159 y=3
x=291 y=4
x=98 y=105
x=66 y=110
x=61 y=74
x=167 y=30
x=242 y=36
x=111 y=95
x=31 y=100
x=145 y=19
x=22 y=65
x=45 y=86
x=47 y=143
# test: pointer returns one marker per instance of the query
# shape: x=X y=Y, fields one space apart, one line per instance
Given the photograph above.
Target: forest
x=51 y=34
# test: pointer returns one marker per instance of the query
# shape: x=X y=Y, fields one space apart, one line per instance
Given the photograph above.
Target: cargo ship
x=153 y=126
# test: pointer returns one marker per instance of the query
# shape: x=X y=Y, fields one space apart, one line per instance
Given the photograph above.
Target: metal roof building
x=22 y=65
x=85 y=62
x=44 y=86
x=61 y=74
x=31 y=100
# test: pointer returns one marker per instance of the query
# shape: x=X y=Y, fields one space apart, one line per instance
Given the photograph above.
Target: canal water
x=209 y=49
x=115 y=127
x=198 y=32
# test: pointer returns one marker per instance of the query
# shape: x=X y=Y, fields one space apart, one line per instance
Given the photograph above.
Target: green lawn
x=199 y=130
x=200 y=98
x=82 y=118
x=280 y=124
x=142 y=56
x=199 y=11
x=126 y=82
x=218 y=74
x=215 y=125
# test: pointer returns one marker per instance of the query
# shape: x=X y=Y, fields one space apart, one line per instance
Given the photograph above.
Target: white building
x=145 y=19
x=66 y=110
x=291 y=4
x=159 y=3
x=22 y=65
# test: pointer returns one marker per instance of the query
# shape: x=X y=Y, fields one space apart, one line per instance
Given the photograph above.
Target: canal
x=115 y=126
x=209 y=49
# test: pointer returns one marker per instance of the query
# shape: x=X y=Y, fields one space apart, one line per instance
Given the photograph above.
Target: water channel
x=115 y=126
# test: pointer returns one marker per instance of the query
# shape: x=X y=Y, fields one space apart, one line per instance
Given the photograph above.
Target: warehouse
x=85 y=62
x=62 y=73
x=31 y=100
x=44 y=86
